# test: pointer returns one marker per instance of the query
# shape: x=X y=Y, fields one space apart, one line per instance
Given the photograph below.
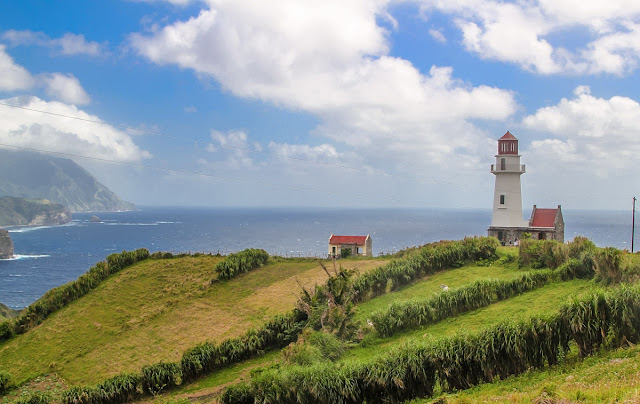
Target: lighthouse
x=507 y=196
x=507 y=224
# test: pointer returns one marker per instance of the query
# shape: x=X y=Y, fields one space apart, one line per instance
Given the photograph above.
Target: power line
x=201 y=174
x=155 y=133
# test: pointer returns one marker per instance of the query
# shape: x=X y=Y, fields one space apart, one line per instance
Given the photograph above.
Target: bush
x=35 y=398
x=243 y=261
x=314 y=347
x=161 y=376
x=119 y=389
x=608 y=265
x=541 y=253
x=5 y=381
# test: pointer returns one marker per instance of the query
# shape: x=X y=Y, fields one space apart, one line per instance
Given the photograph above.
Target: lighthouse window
x=503 y=164
x=501 y=199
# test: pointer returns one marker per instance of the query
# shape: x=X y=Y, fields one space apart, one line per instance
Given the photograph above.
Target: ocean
x=47 y=257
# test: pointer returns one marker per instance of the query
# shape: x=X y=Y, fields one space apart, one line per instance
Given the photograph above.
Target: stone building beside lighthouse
x=507 y=223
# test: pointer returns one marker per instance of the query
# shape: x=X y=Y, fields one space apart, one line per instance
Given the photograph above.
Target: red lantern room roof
x=508 y=144
x=508 y=136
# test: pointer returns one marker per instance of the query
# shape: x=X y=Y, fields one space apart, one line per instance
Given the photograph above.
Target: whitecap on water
x=23 y=257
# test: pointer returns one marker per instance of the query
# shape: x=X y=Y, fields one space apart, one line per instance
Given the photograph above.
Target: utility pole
x=633 y=223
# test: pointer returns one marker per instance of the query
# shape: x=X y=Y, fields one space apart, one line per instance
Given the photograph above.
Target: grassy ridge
x=153 y=311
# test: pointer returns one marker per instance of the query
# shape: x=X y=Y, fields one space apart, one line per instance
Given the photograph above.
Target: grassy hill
x=7 y=313
x=155 y=310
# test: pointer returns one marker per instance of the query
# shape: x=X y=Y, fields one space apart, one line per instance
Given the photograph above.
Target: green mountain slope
x=35 y=212
x=34 y=175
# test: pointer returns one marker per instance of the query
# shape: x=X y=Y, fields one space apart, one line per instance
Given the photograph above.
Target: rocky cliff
x=32 y=212
x=6 y=245
x=35 y=175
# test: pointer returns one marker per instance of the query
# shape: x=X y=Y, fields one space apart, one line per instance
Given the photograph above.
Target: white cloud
x=325 y=152
x=524 y=33
x=331 y=59
x=68 y=44
x=237 y=142
x=437 y=35
x=21 y=127
x=591 y=152
x=12 y=76
x=65 y=88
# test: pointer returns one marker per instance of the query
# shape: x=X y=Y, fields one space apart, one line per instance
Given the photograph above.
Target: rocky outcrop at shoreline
x=32 y=212
x=6 y=245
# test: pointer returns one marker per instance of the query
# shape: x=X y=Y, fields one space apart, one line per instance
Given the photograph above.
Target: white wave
x=24 y=257
x=169 y=222
x=33 y=228
x=131 y=224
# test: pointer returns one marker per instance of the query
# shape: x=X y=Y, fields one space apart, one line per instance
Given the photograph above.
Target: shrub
x=541 y=253
x=161 y=376
x=608 y=265
x=5 y=381
x=119 y=389
x=81 y=395
x=240 y=262
x=35 y=398
x=313 y=347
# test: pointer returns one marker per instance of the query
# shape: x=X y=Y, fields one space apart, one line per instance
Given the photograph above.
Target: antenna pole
x=633 y=223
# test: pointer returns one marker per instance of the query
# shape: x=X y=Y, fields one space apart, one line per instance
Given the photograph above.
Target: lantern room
x=508 y=144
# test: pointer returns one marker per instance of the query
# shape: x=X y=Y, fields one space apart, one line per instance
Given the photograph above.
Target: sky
x=301 y=103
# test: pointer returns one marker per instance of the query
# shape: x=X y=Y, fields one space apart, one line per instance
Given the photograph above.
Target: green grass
x=154 y=311
x=540 y=301
x=605 y=377
x=430 y=285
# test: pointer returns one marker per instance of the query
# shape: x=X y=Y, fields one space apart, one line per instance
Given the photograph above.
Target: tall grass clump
x=608 y=265
x=161 y=376
x=431 y=258
x=240 y=262
x=419 y=312
x=552 y=254
x=59 y=297
x=5 y=381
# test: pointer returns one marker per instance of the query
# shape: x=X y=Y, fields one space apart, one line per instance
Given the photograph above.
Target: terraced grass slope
x=153 y=311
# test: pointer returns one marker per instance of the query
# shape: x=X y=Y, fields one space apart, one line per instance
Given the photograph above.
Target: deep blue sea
x=47 y=257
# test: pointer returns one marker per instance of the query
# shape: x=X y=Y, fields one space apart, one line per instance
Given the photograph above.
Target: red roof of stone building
x=544 y=218
x=359 y=240
x=508 y=136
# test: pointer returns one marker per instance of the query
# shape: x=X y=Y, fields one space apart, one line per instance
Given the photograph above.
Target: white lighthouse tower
x=507 y=221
